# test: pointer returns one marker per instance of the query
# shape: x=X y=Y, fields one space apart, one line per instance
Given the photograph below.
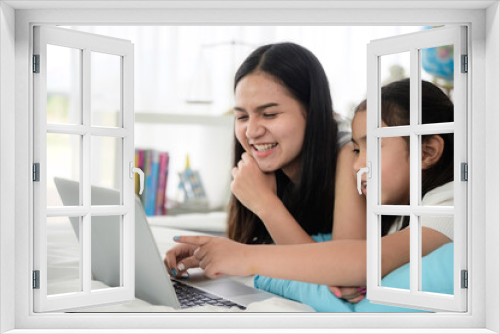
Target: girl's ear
x=432 y=150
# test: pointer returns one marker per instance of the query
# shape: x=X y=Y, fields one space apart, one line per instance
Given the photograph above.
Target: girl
x=343 y=262
x=290 y=160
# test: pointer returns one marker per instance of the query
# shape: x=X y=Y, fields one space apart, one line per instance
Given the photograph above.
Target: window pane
x=437 y=266
x=395 y=170
x=394 y=67
x=106 y=169
x=393 y=224
x=437 y=169
x=106 y=251
x=63 y=161
x=105 y=90
x=437 y=67
x=63 y=255
x=64 y=90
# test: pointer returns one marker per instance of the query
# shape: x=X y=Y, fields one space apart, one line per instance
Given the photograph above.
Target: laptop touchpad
x=229 y=288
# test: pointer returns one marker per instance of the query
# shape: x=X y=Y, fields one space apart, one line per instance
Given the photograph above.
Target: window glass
x=64 y=90
x=106 y=168
x=63 y=161
x=106 y=251
x=63 y=255
x=395 y=170
x=392 y=224
x=437 y=268
x=105 y=90
x=394 y=67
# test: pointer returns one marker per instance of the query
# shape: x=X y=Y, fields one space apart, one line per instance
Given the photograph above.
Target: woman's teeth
x=264 y=147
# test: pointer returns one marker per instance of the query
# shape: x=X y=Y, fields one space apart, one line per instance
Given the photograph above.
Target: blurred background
x=184 y=93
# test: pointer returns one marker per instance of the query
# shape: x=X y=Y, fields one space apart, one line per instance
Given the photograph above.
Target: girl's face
x=270 y=124
x=395 y=163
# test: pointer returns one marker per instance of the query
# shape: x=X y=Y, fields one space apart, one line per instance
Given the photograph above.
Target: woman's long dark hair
x=310 y=201
x=436 y=108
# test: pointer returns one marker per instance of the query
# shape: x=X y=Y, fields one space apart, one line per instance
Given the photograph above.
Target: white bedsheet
x=63 y=271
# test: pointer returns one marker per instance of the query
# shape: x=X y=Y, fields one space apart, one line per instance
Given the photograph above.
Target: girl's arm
x=349 y=220
x=337 y=263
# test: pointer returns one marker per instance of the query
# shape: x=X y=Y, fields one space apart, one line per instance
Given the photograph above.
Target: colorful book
x=139 y=163
x=161 y=195
x=147 y=176
x=151 y=182
x=154 y=164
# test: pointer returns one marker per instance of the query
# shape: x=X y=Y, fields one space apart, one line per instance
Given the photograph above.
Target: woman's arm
x=334 y=263
x=281 y=225
x=349 y=220
x=257 y=191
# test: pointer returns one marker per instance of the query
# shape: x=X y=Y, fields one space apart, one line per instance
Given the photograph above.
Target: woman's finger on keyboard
x=190 y=262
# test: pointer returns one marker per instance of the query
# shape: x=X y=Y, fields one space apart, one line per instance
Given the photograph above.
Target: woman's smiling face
x=270 y=123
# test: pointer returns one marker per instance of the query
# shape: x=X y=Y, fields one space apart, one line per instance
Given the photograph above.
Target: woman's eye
x=241 y=117
x=356 y=151
x=270 y=115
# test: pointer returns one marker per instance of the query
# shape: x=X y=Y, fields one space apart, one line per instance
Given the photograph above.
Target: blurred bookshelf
x=224 y=121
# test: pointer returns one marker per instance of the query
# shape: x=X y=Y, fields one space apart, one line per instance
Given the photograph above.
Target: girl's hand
x=218 y=256
x=351 y=294
x=179 y=258
x=251 y=186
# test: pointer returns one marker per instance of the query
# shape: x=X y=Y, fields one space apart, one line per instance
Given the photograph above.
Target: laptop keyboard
x=190 y=296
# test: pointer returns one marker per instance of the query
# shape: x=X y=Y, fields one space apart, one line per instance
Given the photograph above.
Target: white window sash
x=412 y=43
x=88 y=43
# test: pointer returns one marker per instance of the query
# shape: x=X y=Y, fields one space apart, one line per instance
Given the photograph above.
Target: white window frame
x=483 y=124
x=413 y=44
x=124 y=51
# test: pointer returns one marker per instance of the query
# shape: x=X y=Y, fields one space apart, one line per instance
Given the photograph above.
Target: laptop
x=152 y=281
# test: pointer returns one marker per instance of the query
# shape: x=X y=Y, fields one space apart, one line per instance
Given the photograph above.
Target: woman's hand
x=218 y=256
x=180 y=258
x=251 y=186
x=351 y=294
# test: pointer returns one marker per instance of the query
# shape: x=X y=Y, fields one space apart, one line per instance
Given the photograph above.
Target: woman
x=289 y=159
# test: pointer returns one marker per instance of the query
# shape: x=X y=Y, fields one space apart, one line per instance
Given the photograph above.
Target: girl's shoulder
x=442 y=195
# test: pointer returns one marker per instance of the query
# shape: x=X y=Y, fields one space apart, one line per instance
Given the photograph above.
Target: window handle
x=366 y=170
x=141 y=176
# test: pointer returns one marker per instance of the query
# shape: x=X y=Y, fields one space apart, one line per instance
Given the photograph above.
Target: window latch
x=139 y=171
x=368 y=171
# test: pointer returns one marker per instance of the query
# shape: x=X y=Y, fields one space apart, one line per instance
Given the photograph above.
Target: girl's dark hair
x=436 y=108
x=310 y=201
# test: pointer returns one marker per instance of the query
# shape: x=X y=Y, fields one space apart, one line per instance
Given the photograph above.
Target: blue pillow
x=437 y=276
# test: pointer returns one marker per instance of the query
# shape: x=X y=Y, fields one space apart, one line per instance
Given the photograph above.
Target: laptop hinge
x=36 y=279
x=36 y=172
x=465 y=279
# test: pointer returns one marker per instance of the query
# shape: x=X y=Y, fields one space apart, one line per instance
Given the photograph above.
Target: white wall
x=7 y=149
x=492 y=155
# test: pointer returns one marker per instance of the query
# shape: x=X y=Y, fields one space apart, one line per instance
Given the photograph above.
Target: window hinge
x=36 y=172
x=36 y=279
x=465 y=64
x=464 y=171
x=465 y=279
x=36 y=63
